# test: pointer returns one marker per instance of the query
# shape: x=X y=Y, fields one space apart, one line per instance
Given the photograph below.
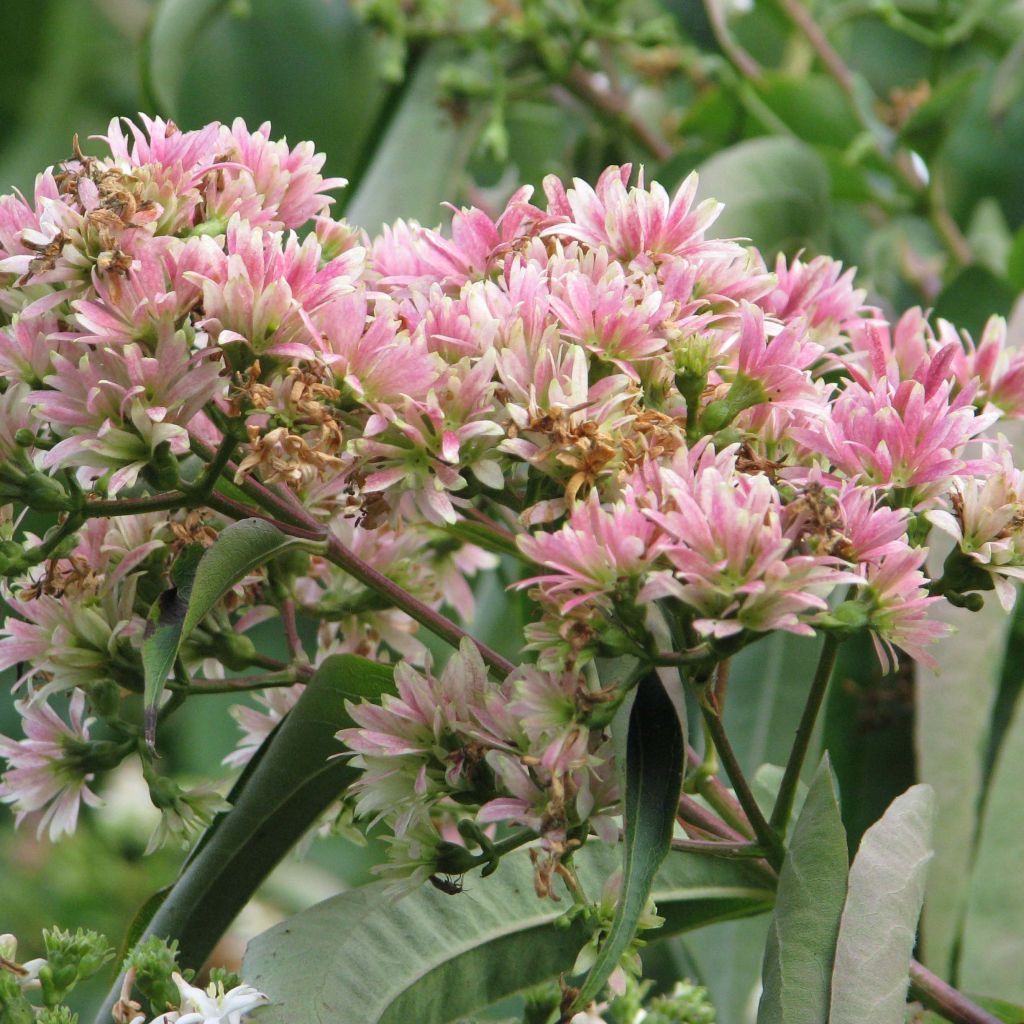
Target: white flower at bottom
x=212 y=1005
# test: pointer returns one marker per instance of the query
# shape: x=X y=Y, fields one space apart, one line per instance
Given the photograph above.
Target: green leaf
x=762 y=710
x=1008 y=82
x=775 y=190
x=808 y=907
x=992 y=944
x=879 y=923
x=869 y=720
x=925 y=128
x=1004 y=1011
x=199 y=583
x=652 y=779
x=951 y=724
x=812 y=106
x=1015 y=261
x=175 y=26
x=417 y=162
x=360 y=958
x=972 y=297
x=765 y=786
x=294 y=782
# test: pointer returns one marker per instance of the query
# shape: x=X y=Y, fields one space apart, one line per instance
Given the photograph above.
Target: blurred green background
x=889 y=133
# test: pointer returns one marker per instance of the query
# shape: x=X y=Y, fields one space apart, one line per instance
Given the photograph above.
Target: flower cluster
x=679 y=445
x=150 y=970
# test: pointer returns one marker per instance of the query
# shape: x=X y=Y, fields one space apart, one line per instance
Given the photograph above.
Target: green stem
x=346 y=559
x=940 y=996
x=340 y=555
x=242 y=684
x=699 y=818
x=791 y=777
x=765 y=834
x=724 y=849
x=716 y=795
x=161 y=502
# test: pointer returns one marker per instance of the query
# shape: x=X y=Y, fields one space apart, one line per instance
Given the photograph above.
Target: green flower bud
x=155 y=960
x=14 y=1007
x=70 y=959
x=57 y=1015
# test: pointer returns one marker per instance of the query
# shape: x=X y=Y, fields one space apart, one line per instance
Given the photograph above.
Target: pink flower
x=265 y=182
x=46 y=777
x=155 y=294
x=266 y=290
x=898 y=435
x=632 y=222
x=987 y=521
x=730 y=557
x=258 y=725
x=608 y=314
x=819 y=291
x=898 y=602
x=114 y=407
x=598 y=552
x=997 y=369
x=370 y=356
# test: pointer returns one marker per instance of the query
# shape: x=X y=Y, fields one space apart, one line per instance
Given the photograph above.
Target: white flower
x=212 y=1005
x=45 y=774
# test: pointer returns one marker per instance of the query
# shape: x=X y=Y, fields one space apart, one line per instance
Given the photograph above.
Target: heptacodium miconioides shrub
x=688 y=448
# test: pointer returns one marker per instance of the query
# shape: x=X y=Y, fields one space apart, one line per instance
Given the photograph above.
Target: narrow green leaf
x=761 y=715
x=776 y=192
x=809 y=904
x=952 y=710
x=653 y=776
x=992 y=944
x=294 y=782
x=199 y=583
x=879 y=923
x=360 y=958
x=174 y=27
x=868 y=721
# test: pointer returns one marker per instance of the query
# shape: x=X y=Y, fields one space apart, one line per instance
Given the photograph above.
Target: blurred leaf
x=808 y=907
x=199 y=584
x=652 y=777
x=308 y=66
x=1006 y=1012
x=952 y=712
x=925 y=127
x=869 y=720
x=812 y=106
x=979 y=158
x=83 y=74
x=775 y=190
x=989 y=236
x=417 y=161
x=992 y=942
x=972 y=297
x=876 y=936
x=1015 y=262
x=166 y=48
x=361 y=958
x=1009 y=81
x=294 y=782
